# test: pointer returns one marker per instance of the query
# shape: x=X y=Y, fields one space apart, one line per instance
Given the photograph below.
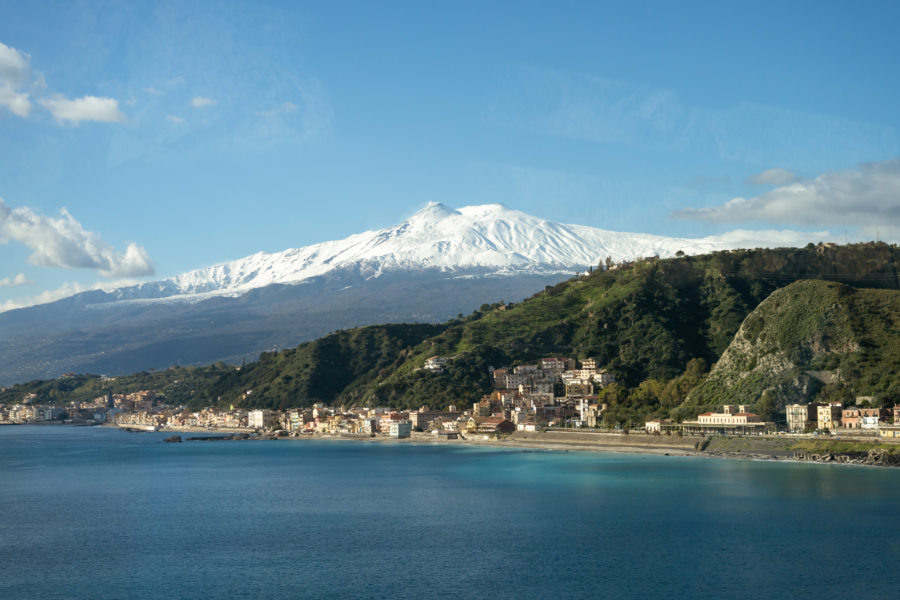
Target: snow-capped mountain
x=436 y=264
x=488 y=240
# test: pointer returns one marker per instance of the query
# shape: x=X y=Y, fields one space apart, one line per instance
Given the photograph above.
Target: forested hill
x=811 y=338
x=656 y=324
x=644 y=321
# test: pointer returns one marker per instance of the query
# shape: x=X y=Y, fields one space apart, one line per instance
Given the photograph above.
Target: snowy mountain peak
x=434 y=211
x=490 y=239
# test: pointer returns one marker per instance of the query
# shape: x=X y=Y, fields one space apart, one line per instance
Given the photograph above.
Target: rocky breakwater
x=874 y=456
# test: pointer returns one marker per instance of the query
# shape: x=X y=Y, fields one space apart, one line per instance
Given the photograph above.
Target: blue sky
x=140 y=140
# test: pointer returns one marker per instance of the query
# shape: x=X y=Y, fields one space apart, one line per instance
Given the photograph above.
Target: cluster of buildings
x=834 y=416
x=799 y=418
x=100 y=410
x=551 y=392
x=321 y=419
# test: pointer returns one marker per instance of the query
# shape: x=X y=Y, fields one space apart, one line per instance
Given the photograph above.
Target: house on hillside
x=435 y=364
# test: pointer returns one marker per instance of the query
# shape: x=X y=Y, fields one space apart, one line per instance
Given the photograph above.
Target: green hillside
x=179 y=385
x=324 y=370
x=809 y=340
x=656 y=324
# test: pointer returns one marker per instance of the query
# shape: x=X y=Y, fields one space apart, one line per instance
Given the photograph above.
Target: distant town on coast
x=552 y=395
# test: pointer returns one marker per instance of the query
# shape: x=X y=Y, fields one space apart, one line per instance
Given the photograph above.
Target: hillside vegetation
x=811 y=339
x=656 y=324
x=179 y=385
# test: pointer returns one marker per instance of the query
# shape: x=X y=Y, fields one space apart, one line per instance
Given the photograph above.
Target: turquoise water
x=98 y=513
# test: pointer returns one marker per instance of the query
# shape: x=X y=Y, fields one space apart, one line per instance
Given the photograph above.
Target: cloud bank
x=867 y=198
x=15 y=71
x=63 y=242
x=64 y=291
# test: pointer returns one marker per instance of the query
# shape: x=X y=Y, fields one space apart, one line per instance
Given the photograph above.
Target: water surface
x=100 y=513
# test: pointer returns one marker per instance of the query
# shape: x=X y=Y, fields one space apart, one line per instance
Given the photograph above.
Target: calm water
x=98 y=513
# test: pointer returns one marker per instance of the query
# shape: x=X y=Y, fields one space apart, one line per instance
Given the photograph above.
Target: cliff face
x=806 y=336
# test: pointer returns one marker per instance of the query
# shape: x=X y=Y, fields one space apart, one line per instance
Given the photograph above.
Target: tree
x=766 y=406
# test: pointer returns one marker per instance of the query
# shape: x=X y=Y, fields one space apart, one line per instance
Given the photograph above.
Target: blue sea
x=100 y=513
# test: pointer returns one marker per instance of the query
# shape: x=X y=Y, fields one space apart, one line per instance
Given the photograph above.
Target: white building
x=435 y=363
x=401 y=429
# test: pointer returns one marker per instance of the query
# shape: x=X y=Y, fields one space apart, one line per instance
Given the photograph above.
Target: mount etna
x=438 y=263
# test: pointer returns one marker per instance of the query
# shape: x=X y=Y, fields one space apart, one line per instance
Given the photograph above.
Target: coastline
x=862 y=452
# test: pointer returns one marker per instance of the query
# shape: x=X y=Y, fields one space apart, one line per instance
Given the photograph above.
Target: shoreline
x=736 y=448
x=861 y=452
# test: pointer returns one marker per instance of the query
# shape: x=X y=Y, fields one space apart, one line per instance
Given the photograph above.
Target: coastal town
x=554 y=393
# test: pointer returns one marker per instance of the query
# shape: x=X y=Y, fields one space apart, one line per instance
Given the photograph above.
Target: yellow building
x=829 y=416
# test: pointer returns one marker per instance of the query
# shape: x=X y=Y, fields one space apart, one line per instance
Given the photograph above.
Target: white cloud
x=15 y=66
x=867 y=197
x=63 y=242
x=152 y=90
x=16 y=281
x=772 y=177
x=86 y=108
x=174 y=119
x=64 y=291
x=201 y=102
x=15 y=70
x=287 y=107
x=17 y=103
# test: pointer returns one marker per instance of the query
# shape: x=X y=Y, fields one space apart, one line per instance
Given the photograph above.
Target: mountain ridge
x=492 y=238
x=437 y=264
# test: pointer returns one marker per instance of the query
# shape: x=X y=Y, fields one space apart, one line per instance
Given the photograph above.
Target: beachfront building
x=800 y=417
x=728 y=422
x=424 y=417
x=850 y=418
x=871 y=418
x=590 y=411
x=829 y=416
x=401 y=429
x=262 y=419
x=496 y=425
